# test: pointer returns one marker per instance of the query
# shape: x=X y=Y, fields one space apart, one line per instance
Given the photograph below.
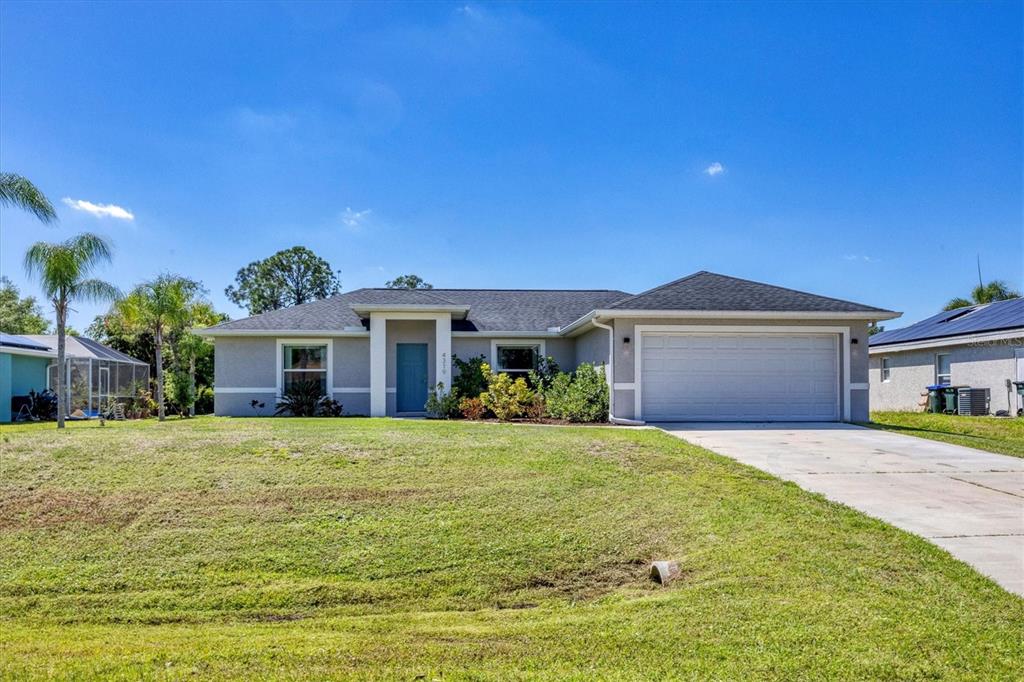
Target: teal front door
x=412 y=377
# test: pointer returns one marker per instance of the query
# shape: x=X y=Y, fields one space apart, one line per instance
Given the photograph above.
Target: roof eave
x=215 y=332
x=459 y=312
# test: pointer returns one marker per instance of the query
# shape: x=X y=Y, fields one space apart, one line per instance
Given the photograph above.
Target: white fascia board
x=30 y=352
x=508 y=335
x=962 y=340
x=752 y=314
x=365 y=310
x=581 y=323
x=214 y=332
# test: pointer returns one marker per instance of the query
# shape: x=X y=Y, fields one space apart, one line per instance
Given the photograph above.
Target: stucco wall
x=248 y=362
x=981 y=366
x=592 y=347
x=625 y=357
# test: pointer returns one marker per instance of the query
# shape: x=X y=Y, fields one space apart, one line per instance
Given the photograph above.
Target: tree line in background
x=153 y=322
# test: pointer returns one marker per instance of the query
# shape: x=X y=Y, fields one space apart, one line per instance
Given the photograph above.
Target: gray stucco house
x=704 y=347
x=981 y=346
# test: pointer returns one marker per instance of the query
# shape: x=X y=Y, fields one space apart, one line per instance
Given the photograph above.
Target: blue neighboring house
x=23 y=364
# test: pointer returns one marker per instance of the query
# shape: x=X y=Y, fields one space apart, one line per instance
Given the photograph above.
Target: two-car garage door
x=739 y=377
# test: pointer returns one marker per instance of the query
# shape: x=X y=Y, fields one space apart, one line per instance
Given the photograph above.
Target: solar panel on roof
x=990 y=317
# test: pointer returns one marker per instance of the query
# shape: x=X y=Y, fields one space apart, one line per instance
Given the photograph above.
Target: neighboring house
x=704 y=347
x=23 y=364
x=94 y=374
x=980 y=346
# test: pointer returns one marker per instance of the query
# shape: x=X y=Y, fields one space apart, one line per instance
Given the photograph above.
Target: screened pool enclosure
x=95 y=375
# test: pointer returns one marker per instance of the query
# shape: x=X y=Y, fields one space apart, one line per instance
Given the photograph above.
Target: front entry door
x=412 y=377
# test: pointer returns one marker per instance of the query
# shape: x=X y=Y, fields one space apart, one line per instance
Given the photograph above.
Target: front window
x=517 y=359
x=886 y=369
x=304 y=363
x=943 y=375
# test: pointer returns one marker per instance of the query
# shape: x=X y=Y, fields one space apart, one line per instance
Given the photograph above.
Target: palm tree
x=996 y=290
x=18 y=191
x=63 y=271
x=158 y=306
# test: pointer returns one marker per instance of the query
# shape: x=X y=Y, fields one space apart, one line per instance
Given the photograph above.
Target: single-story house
x=704 y=347
x=981 y=346
x=94 y=374
x=23 y=364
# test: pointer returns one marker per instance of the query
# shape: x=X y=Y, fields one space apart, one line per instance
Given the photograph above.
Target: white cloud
x=715 y=169
x=859 y=258
x=355 y=219
x=100 y=210
x=253 y=122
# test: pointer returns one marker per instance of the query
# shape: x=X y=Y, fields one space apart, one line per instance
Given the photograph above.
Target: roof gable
x=713 y=292
x=977 y=319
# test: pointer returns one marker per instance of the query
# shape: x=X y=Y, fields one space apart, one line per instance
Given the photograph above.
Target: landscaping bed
x=220 y=548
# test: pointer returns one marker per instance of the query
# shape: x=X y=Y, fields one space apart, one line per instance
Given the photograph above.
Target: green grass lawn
x=380 y=549
x=995 y=434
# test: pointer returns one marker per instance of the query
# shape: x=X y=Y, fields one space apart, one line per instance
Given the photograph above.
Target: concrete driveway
x=969 y=502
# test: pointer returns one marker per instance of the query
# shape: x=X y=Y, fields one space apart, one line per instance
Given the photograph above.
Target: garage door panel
x=728 y=377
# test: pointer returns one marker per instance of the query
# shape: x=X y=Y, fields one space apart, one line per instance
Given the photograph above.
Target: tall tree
x=16 y=190
x=64 y=271
x=408 y=282
x=19 y=315
x=188 y=348
x=996 y=290
x=289 y=277
x=158 y=306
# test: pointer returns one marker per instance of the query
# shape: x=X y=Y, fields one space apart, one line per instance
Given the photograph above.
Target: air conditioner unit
x=973 y=402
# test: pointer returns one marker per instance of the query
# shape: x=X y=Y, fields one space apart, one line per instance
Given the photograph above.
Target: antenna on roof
x=980 y=283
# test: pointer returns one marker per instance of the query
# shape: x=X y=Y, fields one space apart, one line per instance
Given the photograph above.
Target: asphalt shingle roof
x=537 y=310
x=991 y=317
x=711 y=291
x=489 y=309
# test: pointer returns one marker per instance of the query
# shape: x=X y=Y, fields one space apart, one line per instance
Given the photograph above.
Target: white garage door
x=739 y=377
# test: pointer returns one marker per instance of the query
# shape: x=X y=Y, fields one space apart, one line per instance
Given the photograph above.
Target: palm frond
x=96 y=290
x=16 y=190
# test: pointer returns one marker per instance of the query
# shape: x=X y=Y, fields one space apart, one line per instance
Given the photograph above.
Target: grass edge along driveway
x=1001 y=435
x=382 y=549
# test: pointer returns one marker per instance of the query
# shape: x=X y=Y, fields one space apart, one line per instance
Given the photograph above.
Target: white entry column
x=378 y=365
x=443 y=350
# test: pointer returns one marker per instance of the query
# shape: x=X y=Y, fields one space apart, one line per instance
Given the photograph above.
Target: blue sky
x=861 y=147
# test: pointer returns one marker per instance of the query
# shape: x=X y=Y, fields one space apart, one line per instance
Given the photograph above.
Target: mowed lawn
x=381 y=549
x=1003 y=435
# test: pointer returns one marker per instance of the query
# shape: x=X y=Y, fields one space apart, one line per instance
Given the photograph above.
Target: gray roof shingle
x=711 y=291
x=506 y=310
x=975 y=319
x=538 y=310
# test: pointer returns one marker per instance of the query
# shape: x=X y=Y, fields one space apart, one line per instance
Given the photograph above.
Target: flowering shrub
x=472 y=408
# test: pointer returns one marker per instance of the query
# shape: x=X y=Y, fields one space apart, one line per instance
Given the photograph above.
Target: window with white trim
x=516 y=358
x=943 y=369
x=886 y=369
x=304 y=362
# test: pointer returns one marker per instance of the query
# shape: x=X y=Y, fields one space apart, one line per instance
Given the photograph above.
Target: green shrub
x=470 y=380
x=179 y=391
x=579 y=397
x=505 y=397
x=544 y=373
x=304 y=399
x=441 y=405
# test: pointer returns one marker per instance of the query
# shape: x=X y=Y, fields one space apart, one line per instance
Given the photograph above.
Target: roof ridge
x=661 y=286
x=618 y=291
